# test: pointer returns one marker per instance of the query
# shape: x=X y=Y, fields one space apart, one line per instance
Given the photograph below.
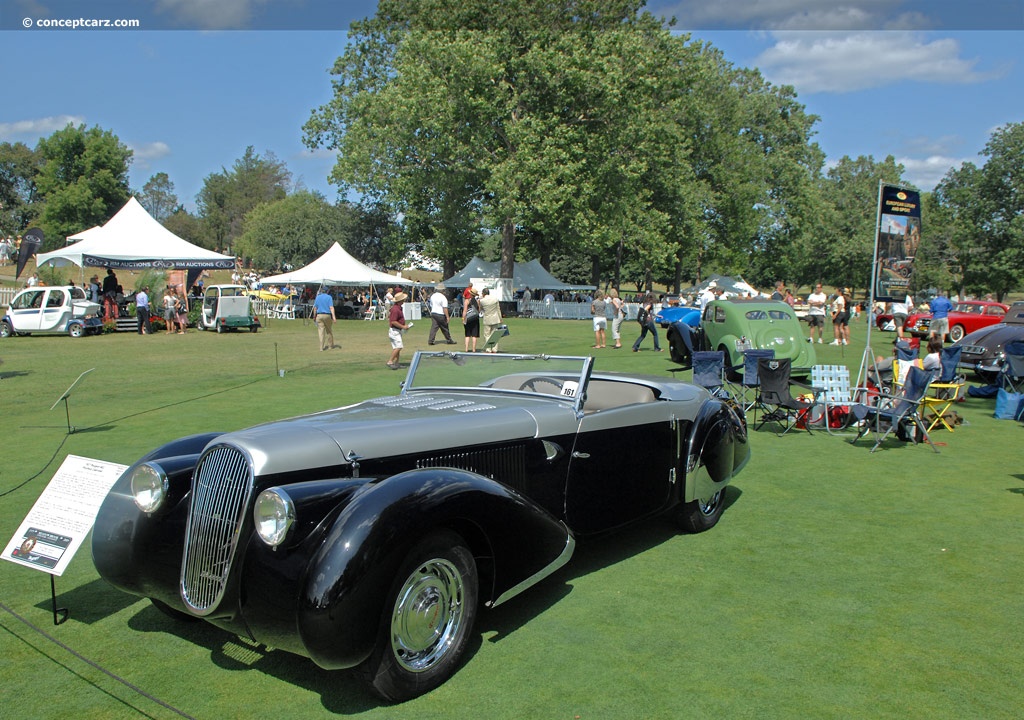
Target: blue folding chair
x=1013 y=367
x=748 y=384
x=906 y=409
x=709 y=371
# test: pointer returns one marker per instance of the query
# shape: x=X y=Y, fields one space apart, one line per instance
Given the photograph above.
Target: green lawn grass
x=838 y=584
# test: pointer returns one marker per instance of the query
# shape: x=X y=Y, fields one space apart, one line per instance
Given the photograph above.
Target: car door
x=622 y=467
x=56 y=308
x=27 y=310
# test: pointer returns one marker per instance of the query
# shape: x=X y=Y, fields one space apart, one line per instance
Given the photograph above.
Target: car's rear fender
x=347 y=580
x=718 y=449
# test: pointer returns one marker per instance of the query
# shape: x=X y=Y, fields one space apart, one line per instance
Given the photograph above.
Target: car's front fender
x=349 y=577
x=140 y=553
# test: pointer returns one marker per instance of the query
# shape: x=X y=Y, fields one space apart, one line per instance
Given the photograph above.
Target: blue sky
x=200 y=80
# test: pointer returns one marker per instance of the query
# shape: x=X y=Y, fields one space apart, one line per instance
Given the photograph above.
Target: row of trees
x=582 y=132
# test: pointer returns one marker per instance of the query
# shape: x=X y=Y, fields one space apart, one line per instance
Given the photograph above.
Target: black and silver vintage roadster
x=369 y=536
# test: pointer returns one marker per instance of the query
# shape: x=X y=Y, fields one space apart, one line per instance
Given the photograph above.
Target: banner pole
x=868 y=357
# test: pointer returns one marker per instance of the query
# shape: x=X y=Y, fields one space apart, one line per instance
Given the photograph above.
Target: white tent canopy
x=336 y=267
x=133 y=240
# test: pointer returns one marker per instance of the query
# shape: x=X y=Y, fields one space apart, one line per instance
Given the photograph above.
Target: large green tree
x=227 y=196
x=295 y=230
x=158 y=197
x=581 y=128
x=479 y=114
x=82 y=181
x=979 y=234
x=19 y=165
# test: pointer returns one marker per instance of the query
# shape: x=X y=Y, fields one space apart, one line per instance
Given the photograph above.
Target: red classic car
x=966 y=317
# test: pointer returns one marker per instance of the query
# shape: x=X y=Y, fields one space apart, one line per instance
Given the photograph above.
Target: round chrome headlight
x=274 y=515
x=149 y=487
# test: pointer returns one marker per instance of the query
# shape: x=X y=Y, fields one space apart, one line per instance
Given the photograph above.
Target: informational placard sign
x=899 y=234
x=58 y=523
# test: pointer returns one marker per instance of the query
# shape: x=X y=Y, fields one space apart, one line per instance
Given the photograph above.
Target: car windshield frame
x=476 y=372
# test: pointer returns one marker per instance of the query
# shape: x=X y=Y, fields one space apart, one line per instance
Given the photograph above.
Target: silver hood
x=398 y=425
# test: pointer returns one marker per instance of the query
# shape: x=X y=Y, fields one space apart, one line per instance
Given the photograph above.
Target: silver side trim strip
x=562 y=559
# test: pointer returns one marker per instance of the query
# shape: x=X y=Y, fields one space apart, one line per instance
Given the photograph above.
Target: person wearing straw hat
x=396 y=326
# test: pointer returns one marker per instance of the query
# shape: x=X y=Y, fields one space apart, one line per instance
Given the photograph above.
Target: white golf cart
x=227 y=307
x=51 y=310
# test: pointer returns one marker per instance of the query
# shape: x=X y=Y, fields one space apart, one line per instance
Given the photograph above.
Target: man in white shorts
x=816 y=302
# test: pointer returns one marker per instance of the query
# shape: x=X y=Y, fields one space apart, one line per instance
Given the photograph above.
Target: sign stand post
x=59 y=614
x=66 y=395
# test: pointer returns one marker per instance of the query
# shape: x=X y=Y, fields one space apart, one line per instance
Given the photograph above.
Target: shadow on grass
x=340 y=691
x=13 y=374
x=88 y=603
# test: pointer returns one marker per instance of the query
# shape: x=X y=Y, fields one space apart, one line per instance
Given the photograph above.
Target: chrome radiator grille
x=220 y=495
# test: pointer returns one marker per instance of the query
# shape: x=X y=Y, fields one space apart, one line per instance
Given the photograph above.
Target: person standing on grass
x=598 y=311
x=323 y=304
x=170 y=313
x=439 y=316
x=471 y=318
x=396 y=326
x=142 y=311
x=618 y=315
x=816 y=313
x=181 y=308
x=490 y=312
x=940 y=307
x=645 y=316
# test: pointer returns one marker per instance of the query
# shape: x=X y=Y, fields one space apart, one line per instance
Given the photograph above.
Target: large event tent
x=336 y=267
x=526 y=274
x=133 y=240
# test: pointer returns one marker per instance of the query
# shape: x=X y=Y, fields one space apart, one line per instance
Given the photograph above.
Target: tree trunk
x=508 y=249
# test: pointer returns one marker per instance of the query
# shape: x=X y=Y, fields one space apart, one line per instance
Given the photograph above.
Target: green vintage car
x=737 y=325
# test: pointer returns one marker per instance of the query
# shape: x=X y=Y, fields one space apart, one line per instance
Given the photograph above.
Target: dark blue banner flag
x=31 y=241
x=899 y=234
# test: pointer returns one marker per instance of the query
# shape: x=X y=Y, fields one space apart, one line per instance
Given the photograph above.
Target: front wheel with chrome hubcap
x=431 y=610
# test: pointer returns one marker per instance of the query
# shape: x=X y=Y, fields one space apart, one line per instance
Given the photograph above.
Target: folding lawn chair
x=775 y=399
x=836 y=395
x=746 y=387
x=905 y=410
x=1012 y=378
x=945 y=389
x=709 y=371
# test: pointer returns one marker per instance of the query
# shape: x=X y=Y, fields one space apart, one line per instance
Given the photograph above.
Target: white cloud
x=926 y=172
x=791 y=14
x=39 y=127
x=144 y=154
x=220 y=15
x=840 y=63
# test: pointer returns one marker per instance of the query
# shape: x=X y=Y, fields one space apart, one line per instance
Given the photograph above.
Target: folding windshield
x=546 y=375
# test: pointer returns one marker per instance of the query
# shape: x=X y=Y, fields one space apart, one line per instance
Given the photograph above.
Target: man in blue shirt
x=324 y=306
x=940 y=307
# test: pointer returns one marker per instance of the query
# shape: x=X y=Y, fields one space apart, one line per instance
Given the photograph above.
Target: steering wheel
x=531 y=384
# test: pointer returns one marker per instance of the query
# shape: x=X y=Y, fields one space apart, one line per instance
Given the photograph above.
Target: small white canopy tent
x=336 y=267
x=133 y=240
